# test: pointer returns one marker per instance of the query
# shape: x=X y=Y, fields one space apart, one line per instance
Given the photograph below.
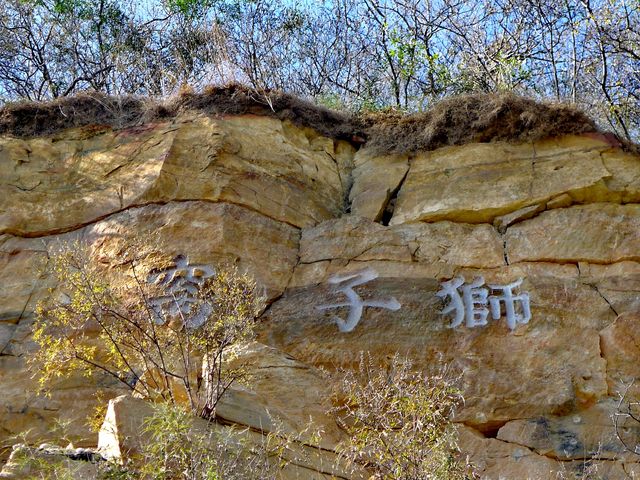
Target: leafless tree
x=367 y=54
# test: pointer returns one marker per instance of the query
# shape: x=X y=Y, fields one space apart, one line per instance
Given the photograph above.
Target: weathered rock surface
x=62 y=182
x=620 y=344
x=560 y=375
x=562 y=214
x=287 y=173
x=587 y=433
x=209 y=233
x=58 y=183
x=618 y=283
x=476 y=183
x=595 y=233
x=353 y=238
x=280 y=394
x=507 y=461
x=375 y=179
x=505 y=221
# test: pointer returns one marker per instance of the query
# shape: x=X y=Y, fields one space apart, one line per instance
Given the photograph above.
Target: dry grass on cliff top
x=453 y=121
x=27 y=119
x=475 y=118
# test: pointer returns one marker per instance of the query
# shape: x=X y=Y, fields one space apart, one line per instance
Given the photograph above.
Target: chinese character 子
x=471 y=303
x=180 y=285
x=345 y=284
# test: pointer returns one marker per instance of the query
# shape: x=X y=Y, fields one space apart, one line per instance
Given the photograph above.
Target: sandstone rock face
x=559 y=219
x=207 y=233
x=58 y=183
x=54 y=184
x=210 y=233
x=375 y=179
x=620 y=343
x=508 y=461
x=595 y=233
x=477 y=183
x=280 y=394
x=570 y=437
x=560 y=376
x=104 y=187
x=292 y=175
x=358 y=239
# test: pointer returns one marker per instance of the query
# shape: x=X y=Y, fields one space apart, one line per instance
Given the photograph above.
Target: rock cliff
x=310 y=217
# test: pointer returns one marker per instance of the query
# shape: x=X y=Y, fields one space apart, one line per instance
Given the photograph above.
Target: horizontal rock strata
x=298 y=212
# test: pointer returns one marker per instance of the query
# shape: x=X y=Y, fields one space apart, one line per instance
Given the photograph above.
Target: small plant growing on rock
x=398 y=422
x=104 y=322
x=177 y=447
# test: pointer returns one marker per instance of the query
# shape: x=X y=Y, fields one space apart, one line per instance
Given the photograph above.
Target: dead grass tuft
x=475 y=118
x=236 y=99
x=27 y=119
x=454 y=121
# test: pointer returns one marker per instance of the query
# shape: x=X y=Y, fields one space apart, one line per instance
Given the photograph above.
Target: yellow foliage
x=103 y=322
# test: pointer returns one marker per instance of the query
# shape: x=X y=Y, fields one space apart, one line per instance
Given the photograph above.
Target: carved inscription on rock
x=471 y=303
x=345 y=284
x=180 y=285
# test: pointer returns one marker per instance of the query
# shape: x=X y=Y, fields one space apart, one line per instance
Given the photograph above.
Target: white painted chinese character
x=345 y=284
x=180 y=285
x=469 y=302
x=472 y=305
x=509 y=299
